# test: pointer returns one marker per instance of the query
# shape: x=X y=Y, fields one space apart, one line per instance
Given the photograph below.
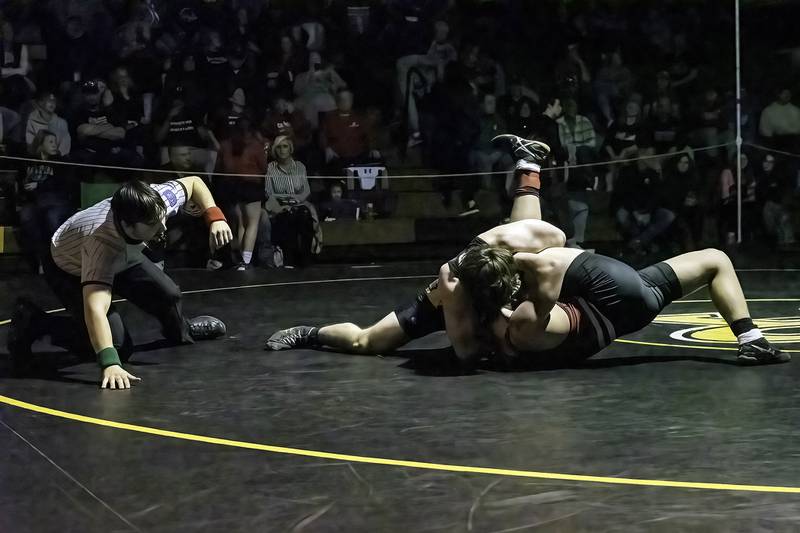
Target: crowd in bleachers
x=282 y=90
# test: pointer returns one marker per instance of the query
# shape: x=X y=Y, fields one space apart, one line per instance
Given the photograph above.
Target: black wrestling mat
x=660 y=432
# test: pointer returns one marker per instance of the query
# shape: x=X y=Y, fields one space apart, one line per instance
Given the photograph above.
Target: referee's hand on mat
x=116 y=377
x=219 y=234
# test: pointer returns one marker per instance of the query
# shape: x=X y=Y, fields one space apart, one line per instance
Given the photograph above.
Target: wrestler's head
x=489 y=277
x=139 y=211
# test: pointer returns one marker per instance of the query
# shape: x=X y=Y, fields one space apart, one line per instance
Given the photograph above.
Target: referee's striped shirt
x=89 y=245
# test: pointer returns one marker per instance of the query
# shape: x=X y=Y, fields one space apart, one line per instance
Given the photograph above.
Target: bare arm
x=540 y=275
x=96 y=303
x=458 y=317
x=197 y=191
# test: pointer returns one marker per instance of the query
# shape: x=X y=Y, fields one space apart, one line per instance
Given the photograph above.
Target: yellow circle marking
x=400 y=462
x=395 y=462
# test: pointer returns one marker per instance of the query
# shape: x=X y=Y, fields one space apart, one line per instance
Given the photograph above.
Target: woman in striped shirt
x=288 y=190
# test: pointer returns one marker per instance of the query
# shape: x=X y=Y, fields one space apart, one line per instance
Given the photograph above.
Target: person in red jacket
x=345 y=135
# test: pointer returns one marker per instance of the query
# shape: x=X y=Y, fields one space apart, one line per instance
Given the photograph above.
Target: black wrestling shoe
x=296 y=337
x=22 y=332
x=521 y=148
x=754 y=353
x=204 y=328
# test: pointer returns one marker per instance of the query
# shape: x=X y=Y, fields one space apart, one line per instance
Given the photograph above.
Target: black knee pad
x=421 y=317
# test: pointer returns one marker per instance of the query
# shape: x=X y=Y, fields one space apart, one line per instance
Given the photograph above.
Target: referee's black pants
x=144 y=285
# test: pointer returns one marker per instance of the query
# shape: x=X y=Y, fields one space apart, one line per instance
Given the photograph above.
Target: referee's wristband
x=213 y=214
x=108 y=357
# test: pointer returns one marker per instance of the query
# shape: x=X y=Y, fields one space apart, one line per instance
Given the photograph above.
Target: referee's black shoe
x=204 y=328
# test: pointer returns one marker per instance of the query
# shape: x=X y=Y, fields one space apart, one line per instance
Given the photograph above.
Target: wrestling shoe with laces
x=204 y=328
x=757 y=353
x=521 y=148
x=296 y=337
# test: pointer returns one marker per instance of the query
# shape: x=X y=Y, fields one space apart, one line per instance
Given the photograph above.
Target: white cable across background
x=391 y=177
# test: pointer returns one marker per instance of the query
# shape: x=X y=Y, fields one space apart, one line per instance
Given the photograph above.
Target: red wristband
x=213 y=214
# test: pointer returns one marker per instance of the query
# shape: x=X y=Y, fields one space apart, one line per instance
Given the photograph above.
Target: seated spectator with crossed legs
x=295 y=223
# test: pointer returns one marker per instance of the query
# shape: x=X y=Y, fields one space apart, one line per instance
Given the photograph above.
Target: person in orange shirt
x=244 y=153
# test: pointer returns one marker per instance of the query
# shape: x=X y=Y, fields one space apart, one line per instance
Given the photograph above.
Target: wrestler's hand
x=219 y=234
x=116 y=377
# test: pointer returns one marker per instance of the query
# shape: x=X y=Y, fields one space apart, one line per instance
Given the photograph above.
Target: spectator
x=576 y=134
x=665 y=129
x=130 y=108
x=662 y=89
x=180 y=162
x=345 y=136
x=686 y=197
x=337 y=206
x=185 y=127
x=773 y=193
x=44 y=117
x=640 y=211
x=46 y=195
x=751 y=217
x=225 y=118
x=711 y=124
x=682 y=65
x=622 y=140
x=183 y=77
x=485 y=157
x=577 y=137
x=283 y=118
x=75 y=57
x=554 y=187
x=545 y=128
x=456 y=127
x=316 y=89
x=780 y=123
x=518 y=94
x=430 y=68
x=100 y=135
x=243 y=153
x=571 y=73
x=186 y=234
x=612 y=84
x=521 y=118
x=238 y=72
x=489 y=75
x=295 y=223
x=213 y=66
x=283 y=65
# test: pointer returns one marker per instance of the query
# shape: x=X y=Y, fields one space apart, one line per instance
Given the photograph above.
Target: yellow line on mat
x=690 y=346
x=394 y=462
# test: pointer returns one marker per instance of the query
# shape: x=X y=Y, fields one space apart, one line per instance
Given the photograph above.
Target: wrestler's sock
x=747 y=332
x=528 y=178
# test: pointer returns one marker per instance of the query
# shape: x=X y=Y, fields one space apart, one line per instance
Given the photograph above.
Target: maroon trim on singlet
x=573 y=314
x=584 y=338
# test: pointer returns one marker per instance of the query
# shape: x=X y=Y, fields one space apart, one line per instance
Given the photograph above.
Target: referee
x=99 y=251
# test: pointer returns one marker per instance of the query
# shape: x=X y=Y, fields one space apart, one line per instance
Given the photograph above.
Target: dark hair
x=489 y=277
x=38 y=140
x=136 y=202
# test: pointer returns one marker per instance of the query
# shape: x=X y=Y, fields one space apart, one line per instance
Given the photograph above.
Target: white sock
x=527 y=165
x=247 y=257
x=750 y=336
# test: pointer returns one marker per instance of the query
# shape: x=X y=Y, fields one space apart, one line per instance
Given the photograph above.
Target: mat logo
x=710 y=328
